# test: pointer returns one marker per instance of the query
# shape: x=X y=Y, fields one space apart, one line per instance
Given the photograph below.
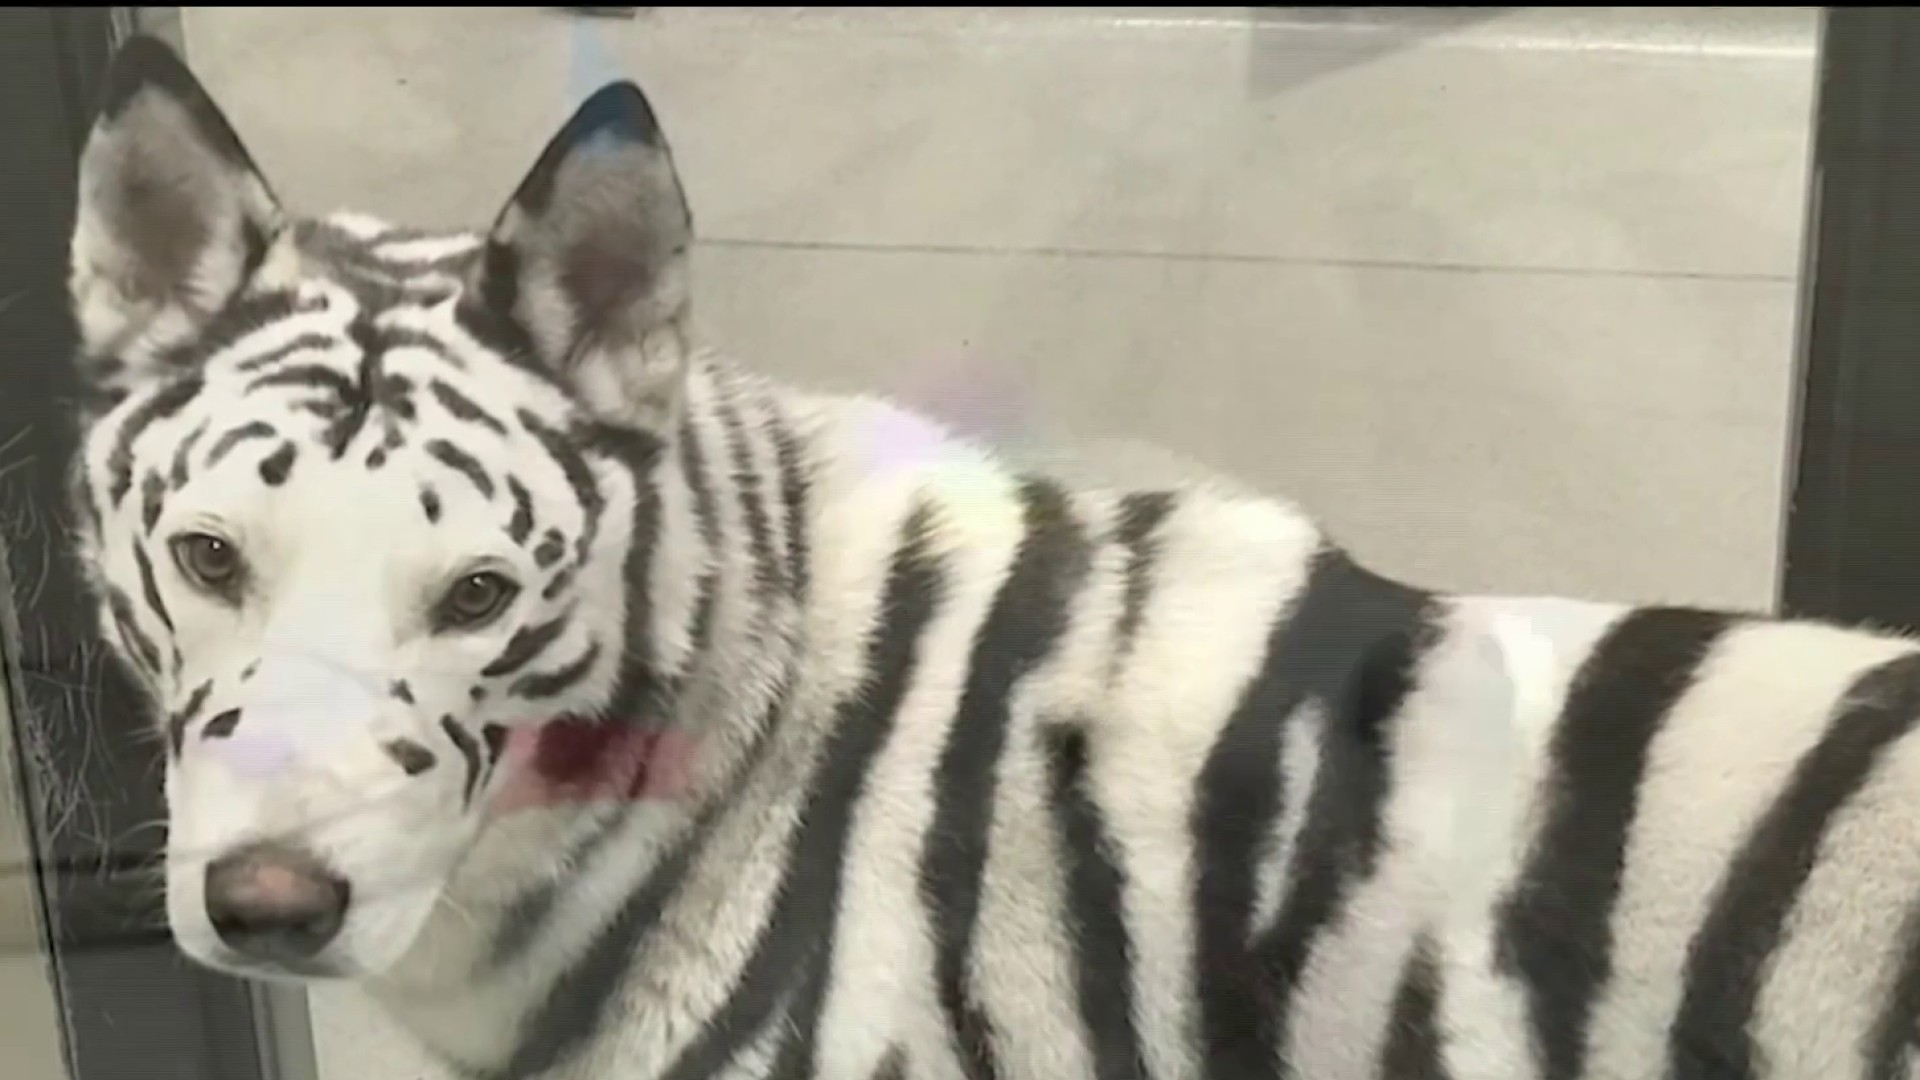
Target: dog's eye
x=210 y=562
x=474 y=599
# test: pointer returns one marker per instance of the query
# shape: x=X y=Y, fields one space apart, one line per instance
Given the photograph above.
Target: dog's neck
x=792 y=552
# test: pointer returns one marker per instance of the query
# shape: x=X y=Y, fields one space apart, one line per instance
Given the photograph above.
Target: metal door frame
x=133 y=1007
x=1850 y=545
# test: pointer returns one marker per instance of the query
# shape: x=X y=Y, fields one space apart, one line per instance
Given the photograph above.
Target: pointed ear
x=171 y=214
x=588 y=261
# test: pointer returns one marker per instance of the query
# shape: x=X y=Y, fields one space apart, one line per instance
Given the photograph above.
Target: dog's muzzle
x=275 y=903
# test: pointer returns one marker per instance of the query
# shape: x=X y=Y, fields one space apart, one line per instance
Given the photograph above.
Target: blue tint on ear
x=590 y=67
x=610 y=103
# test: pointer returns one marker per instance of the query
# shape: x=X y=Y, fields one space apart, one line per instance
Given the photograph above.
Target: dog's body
x=607 y=711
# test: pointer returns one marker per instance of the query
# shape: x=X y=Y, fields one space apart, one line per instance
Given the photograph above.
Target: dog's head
x=357 y=502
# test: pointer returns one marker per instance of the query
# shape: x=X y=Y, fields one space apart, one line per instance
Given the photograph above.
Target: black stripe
x=394 y=393
x=182 y=455
x=241 y=319
x=389 y=233
x=579 y=477
x=574 y=1010
x=326 y=239
x=181 y=717
x=519 y=927
x=527 y=643
x=275 y=467
x=580 y=1003
x=254 y=241
x=1317 y=650
x=637 y=692
x=150 y=588
x=694 y=472
x=1338 y=844
x=1727 y=961
x=552 y=546
x=489 y=316
x=462 y=407
x=165 y=402
x=308 y=377
x=521 y=525
x=153 y=498
x=1894 y=1032
x=401 y=691
x=893 y=1065
x=546 y=684
x=377 y=457
x=415 y=266
x=1096 y=912
x=1555 y=930
x=330 y=409
x=558 y=585
x=793 y=495
x=1141 y=515
x=1029 y=614
x=406 y=337
x=797 y=944
x=430 y=504
x=275 y=355
x=766 y=572
x=356 y=397
x=469 y=750
x=1413 y=1047
x=693 y=465
x=412 y=758
x=461 y=462
x=495 y=738
x=798 y=1055
x=145 y=653
x=80 y=493
x=94 y=399
x=255 y=429
x=701 y=635
x=221 y=725
x=375 y=286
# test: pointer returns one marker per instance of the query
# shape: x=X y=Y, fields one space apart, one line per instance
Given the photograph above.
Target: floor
x=1505 y=295
x=29 y=1016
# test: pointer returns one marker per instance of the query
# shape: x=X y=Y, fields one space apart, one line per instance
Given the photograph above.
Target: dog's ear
x=171 y=215
x=589 y=260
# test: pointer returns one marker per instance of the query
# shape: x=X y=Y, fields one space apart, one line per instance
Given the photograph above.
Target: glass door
x=91 y=986
x=91 y=980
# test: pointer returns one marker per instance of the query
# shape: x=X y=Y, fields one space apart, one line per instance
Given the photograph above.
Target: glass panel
x=1506 y=295
x=1515 y=300
x=128 y=1004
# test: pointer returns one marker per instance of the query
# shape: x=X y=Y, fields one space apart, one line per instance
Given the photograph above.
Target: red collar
x=571 y=760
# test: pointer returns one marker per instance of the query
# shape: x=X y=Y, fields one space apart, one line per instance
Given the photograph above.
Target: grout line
x=1063 y=252
x=1495 y=29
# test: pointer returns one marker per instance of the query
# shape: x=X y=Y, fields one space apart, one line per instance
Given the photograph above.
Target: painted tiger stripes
x=620 y=712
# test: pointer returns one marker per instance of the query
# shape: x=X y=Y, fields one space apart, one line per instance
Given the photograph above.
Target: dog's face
x=357 y=502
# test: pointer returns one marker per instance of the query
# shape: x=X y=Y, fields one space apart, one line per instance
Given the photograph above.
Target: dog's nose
x=275 y=902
